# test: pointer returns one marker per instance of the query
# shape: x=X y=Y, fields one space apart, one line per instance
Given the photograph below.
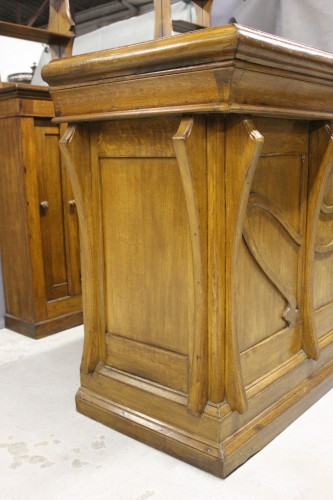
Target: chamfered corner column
x=84 y=176
x=198 y=362
x=244 y=145
x=321 y=154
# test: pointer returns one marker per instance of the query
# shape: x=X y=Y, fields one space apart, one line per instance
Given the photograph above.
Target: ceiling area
x=88 y=14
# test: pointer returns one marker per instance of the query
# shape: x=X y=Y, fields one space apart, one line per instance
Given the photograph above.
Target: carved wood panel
x=272 y=253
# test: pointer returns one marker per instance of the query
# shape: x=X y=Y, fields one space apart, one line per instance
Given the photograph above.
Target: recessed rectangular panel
x=148 y=263
x=158 y=365
x=272 y=254
x=272 y=352
x=51 y=213
x=124 y=138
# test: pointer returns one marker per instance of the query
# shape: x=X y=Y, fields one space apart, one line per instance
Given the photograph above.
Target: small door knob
x=72 y=203
x=44 y=205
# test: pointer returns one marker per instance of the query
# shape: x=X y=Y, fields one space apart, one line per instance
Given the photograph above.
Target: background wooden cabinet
x=38 y=226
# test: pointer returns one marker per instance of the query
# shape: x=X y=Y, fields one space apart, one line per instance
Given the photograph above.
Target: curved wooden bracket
x=197 y=397
x=239 y=177
x=77 y=163
x=316 y=195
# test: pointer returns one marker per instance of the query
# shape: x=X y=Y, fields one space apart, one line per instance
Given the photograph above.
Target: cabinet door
x=72 y=242
x=58 y=218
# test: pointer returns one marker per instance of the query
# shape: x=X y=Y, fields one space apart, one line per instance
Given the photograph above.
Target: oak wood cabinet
x=38 y=223
x=202 y=169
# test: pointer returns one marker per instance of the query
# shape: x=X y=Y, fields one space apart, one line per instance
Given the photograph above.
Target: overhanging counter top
x=230 y=69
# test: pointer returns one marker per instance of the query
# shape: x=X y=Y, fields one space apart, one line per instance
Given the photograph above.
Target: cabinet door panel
x=51 y=211
x=72 y=242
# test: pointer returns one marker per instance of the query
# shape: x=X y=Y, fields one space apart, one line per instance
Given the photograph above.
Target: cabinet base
x=188 y=443
x=44 y=328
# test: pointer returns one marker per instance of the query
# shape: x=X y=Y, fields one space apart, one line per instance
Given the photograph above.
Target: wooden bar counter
x=202 y=171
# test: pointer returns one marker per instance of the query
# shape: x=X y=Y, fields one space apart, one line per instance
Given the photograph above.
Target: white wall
x=17 y=56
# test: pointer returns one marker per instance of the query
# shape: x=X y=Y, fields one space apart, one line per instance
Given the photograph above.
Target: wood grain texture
x=206 y=226
x=323 y=258
x=52 y=217
x=317 y=187
x=17 y=282
x=86 y=192
x=240 y=178
x=198 y=340
x=203 y=10
x=34 y=240
x=216 y=228
x=161 y=366
x=222 y=68
x=32 y=34
x=148 y=269
x=203 y=47
x=163 y=23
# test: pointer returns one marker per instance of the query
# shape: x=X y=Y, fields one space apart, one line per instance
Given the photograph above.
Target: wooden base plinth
x=42 y=329
x=122 y=401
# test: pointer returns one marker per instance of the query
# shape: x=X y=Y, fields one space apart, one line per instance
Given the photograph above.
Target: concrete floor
x=50 y=452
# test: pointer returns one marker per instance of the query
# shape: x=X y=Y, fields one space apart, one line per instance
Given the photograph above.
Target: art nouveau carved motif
x=77 y=163
x=197 y=397
x=326 y=210
x=240 y=176
x=317 y=186
x=257 y=201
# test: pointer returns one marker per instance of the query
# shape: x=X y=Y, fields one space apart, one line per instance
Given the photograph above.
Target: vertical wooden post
x=197 y=397
x=203 y=9
x=321 y=148
x=163 y=22
x=60 y=21
x=240 y=169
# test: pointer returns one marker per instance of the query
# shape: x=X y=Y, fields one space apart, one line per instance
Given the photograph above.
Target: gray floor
x=48 y=451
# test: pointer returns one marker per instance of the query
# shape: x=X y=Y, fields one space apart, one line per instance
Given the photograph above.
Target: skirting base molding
x=44 y=328
x=218 y=458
